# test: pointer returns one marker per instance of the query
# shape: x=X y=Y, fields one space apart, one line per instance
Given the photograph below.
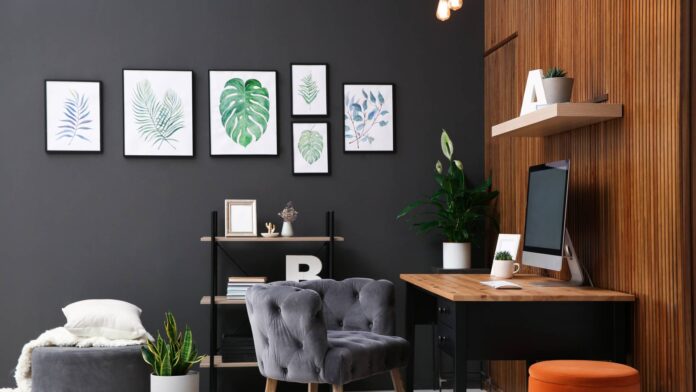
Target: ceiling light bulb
x=455 y=4
x=443 y=10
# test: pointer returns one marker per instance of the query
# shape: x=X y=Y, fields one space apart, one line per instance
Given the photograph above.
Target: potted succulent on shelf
x=171 y=360
x=557 y=87
x=458 y=209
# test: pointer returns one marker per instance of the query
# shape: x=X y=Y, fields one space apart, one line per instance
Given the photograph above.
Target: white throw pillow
x=106 y=318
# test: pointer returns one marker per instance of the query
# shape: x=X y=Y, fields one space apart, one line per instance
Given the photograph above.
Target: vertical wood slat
x=627 y=195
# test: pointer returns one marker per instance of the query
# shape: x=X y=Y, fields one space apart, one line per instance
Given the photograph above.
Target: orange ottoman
x=582 y=376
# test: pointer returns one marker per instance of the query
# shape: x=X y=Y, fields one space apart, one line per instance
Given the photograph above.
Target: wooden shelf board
x=222 y=300
x=219 y=364
x=558 y=118
x=274 y=239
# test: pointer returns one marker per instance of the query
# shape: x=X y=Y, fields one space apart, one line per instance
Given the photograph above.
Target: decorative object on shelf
x=309 y=89
x=503 y=265
x=557 y=87
x=271 y=231
x=460 y=210
x=368 y=117
x=240 y=218
x=289 y=215
x=533 y=92
x=310 y=148
x=238 y=285
x=442 y=12
x=171 y=360
x=157 y=113
x=73 y=116
x=293 y=268
x=243 y=113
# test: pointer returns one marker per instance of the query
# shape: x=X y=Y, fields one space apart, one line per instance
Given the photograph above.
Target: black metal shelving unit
x=214 y=362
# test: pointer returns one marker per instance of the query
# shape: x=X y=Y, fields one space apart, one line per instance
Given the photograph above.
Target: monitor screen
x=546 y=204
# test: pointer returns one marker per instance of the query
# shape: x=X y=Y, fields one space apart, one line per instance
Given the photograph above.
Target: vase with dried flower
x=289 y=215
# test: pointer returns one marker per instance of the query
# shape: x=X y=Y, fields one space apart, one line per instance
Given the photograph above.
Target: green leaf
x=446 y=145
x=148 y=356
x=310 y=145
x=157 y=121
x=166 y=367
x=245 y=109
x=309 y=89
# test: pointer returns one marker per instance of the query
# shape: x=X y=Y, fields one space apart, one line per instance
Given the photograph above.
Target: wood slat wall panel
x=626 y=196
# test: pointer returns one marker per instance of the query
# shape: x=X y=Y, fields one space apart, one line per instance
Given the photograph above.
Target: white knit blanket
x=62 y=338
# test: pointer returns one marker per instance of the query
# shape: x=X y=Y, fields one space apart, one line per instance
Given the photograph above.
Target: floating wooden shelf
x=274 y=239
x=219 y=364
x=222 y=300
x=558 y=118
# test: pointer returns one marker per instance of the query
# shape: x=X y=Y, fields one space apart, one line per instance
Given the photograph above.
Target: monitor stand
x=577 y=270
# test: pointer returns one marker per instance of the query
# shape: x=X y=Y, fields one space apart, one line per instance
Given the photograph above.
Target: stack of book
x=237 y=349
x=238 y=285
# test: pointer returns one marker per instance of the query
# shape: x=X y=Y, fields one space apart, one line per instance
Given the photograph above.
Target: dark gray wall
x=104 y=226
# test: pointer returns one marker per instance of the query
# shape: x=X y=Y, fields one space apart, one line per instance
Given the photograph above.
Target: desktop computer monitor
x=544 y=229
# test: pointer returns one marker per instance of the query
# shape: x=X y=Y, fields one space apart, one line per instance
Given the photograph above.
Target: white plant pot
x=187 y=383
x=456 y=255
x=286 y=231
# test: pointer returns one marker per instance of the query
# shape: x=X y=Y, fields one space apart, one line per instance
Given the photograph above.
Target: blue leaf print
x=380 y=97
x=75 y=118
x=372 y=97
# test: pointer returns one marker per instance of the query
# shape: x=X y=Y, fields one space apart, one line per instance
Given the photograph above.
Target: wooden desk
x=475 y=322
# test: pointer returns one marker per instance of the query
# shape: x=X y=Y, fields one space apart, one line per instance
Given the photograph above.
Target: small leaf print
x=309 y=89
x=75 y=118
x=310 y=145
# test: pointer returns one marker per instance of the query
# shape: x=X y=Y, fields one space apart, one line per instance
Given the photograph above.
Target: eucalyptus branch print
x=75 y=121
x=158 y=121
x=310 y=145
x=364 y=115
x=309 y=89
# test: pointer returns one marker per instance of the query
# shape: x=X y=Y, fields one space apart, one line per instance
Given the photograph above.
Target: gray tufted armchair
x=325 y=332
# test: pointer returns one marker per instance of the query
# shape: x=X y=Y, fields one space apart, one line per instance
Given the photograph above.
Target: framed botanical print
x=310 y=148
x=368 y=118
x=309 y=90
x=73 y=116
x=157 y=113
x=243 y=113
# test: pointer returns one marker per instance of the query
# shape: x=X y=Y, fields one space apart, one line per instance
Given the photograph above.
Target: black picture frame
x=292 y=92
x=210 y=120
x=393 y=115
x=328 y=148
x=101 y=116
x=193 y=113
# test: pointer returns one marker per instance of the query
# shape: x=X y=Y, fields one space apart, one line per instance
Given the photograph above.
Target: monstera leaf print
x=310 y=145
x=245 y=110
x=158 y=121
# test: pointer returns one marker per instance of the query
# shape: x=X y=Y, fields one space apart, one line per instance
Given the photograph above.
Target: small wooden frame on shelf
x=558 y=118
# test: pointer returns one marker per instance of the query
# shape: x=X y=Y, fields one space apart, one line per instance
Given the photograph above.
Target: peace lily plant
x=171 y=360
x=458 y=210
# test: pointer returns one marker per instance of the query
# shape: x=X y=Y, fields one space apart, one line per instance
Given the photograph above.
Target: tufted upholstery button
x=284 y=370
x=317 y=370
x=369 y=324
x=340 y=323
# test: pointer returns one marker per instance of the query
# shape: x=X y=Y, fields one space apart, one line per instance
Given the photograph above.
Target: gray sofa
x=93 y=369
x=326 y=331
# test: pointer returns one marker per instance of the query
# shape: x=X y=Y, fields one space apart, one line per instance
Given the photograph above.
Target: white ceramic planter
x=286 y=231
x=456 y=255
x=557 y=90
x=187 y=383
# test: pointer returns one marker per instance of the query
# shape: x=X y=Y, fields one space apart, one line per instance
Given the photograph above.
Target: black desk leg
x=621 y=333
x=410 y=333
x=460 y=354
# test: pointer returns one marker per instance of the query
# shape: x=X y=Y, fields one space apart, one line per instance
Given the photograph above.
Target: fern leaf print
x=158 y=121
x=76 y=119
x=309 y=89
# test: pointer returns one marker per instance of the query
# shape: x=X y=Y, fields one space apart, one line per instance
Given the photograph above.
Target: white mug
x=504 y=269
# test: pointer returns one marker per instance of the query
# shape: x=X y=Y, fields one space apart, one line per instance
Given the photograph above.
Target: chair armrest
x=289 y=332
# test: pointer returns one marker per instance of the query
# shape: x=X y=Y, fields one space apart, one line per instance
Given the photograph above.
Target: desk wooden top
x=467 y=288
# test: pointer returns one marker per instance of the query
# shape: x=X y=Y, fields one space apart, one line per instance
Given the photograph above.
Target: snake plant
x=173 y=357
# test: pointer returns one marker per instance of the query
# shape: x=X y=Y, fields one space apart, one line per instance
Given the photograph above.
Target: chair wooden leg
x=337 y=388
x=271 y=385
x=397 y=381
x=312 y=387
